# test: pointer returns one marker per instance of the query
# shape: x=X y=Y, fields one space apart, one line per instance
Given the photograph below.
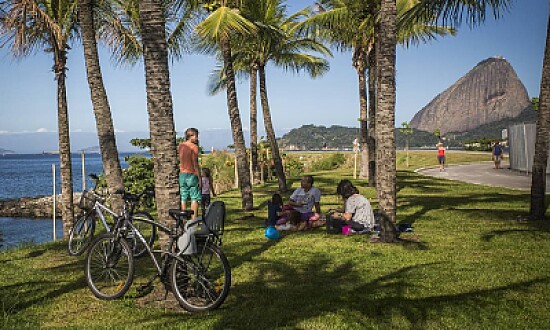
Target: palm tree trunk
x=67 y=208
x=159 y=107
x=254 y=125
x=385 y=121
x=371 y=125
x=236 y=128
x=102 y=110
x=359 y=64
x=279 y=170
x=540 y=160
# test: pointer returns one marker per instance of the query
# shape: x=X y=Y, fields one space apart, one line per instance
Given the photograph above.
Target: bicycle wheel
x=147 y=230
x=201 y=282
x=109 y=267
x=81 y=234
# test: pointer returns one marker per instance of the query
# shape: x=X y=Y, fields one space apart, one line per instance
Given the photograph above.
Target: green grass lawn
x=471 y=263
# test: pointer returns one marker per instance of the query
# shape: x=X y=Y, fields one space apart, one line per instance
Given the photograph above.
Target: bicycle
x=83 y=231
x=193 y=265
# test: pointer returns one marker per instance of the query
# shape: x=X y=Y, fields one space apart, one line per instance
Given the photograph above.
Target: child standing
x=206 y=187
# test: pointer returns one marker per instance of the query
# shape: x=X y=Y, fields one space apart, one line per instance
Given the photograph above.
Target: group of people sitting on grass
x=303 y=211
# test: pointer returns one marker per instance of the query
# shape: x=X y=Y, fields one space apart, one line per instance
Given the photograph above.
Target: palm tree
x=29 y=25
x=279 y=41
x=102 y=110
x=276 y=41
x=386 y=39
x=540 y=160
x=218 y=28
x=255 y=167
x=159 y=106
x=349 y=25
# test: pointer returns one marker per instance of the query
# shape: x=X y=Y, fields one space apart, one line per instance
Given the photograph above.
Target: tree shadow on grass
x=534 y=234
x=460 y=203
x=43 y=286
x=283 y=296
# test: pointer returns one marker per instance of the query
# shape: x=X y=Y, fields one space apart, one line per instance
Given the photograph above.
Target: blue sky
x=28 y=90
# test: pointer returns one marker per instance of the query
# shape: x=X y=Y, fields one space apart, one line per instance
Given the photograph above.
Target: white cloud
x=119 y=130
x=4 y=132
x=43 y=130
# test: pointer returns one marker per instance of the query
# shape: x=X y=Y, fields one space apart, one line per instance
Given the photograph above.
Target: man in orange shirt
x=190 y=170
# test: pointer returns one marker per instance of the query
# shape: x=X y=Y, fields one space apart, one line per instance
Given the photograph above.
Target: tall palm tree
x=255 y=166
x=102 y=110
x=277 y=41
x=159 y=106
x=289 y=50
x=386 y=39
x=218 y=28
x=349 y=25
x=540 y=160
x=28 y=25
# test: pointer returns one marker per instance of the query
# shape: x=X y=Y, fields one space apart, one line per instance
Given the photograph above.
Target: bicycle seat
x=180 y=214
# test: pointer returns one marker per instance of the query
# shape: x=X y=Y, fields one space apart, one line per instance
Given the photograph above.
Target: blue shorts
x=189 y=187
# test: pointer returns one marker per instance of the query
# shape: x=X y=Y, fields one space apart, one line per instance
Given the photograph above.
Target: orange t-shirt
x=188 y=154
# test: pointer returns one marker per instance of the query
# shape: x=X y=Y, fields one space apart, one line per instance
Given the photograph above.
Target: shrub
x=222 y=167
x=330 y=162
x=293 y=166
x=139 y=174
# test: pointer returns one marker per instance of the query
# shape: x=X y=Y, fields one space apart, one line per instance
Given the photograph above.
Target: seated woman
x=357 y=209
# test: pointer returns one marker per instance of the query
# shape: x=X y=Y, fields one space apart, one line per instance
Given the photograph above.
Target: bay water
x=24 y=175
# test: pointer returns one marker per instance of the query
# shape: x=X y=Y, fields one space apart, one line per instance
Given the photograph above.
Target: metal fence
x=521 y=140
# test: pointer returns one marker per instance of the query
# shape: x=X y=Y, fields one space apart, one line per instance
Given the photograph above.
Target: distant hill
x=311 y=137
x=490 y=92
x=32 y=143
x=6 y=151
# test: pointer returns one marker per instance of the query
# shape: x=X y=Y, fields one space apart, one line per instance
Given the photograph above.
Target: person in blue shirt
x=497 y=154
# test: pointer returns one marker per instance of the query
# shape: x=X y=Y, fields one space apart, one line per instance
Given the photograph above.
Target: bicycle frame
x=98 y=207
x=167 y=252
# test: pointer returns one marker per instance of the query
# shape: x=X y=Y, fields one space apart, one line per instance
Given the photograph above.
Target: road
x=485 y=174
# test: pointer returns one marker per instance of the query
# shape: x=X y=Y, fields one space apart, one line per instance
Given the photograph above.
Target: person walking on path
x=189 y=178
x=497 y=154
x=441 y=156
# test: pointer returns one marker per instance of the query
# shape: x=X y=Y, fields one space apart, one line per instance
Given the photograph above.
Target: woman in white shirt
x=357 y=209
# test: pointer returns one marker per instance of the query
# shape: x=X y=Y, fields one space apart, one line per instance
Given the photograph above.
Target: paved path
x=485 y=174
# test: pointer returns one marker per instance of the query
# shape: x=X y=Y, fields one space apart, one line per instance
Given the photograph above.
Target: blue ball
x=271 y=233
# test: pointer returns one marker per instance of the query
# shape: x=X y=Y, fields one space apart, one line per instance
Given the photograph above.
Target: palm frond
x=454 y=12
x=297 y=62
x=223 y=22
x=28 y=25
x=423 y=34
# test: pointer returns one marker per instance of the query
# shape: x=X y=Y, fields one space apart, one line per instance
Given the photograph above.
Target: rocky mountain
x=490 y=92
